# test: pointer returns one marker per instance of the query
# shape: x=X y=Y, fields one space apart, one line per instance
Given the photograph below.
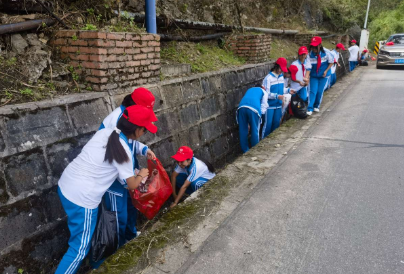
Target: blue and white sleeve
x=140 y=148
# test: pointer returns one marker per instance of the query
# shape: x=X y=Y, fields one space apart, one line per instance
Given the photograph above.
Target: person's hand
x=280 y=97
x=302 y=83
x=175 y=195
x=144 y=172
x=306 y=80
x=150 y=155
x=325 y=74
x=173 y=205
x=339 y=65
x=292 y=91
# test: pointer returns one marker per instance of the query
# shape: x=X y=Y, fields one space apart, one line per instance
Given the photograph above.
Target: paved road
x=336 y=205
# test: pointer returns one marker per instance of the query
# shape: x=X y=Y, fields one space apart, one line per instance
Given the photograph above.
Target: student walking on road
x=250 y=110
x=354 y=55
x=338 y=48
x=85 y=180
x=321 y=60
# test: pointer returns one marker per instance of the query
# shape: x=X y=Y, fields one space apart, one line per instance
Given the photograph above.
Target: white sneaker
x=316 y=110
x=309 y=113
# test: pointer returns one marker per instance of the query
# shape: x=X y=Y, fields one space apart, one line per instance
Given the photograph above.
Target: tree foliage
x=387 y=23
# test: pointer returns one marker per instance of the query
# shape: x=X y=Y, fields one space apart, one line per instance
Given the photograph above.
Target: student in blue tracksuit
x=338 y=48
x=190 y=174
x=274 y=85
x=253 y=105
x=117 y=197
x=321 y=61
x=85 y=180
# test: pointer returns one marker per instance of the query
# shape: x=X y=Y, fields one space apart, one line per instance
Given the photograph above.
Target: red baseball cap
x=316 y=40
x=303 y=50
x=142 y=96
x=283 y=64
x=353 y=41
x=365 y=50
x=183 y=153
x=141 y=116
x=293 y=70
x=390 y=44
x=340 y=46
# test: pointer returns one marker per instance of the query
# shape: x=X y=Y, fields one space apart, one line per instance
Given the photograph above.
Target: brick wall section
x=254 y=48
x=111 y=61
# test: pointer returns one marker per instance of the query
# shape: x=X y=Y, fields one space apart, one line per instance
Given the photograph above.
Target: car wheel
x=378 y=66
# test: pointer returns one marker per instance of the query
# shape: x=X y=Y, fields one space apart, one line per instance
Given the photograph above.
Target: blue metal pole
x=151 y=25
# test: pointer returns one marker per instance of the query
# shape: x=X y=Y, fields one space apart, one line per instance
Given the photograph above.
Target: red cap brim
x=284 y=68
x=152 y=128
x=153 y=117
x=315 y=44
x=179 y=157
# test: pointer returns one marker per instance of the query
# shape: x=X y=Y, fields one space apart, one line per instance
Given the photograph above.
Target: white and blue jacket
x=255 y=99
x=326 y=58
x=274 y=86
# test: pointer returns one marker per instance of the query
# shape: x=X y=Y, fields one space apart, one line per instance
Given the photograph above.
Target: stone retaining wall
x=254 y=48
x=38 y=140
x=111 y=60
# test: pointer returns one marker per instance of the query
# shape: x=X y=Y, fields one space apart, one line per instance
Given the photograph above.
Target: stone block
x=209 y=107
x=189 y=116
x=60 y=154
x=191 y=90
x=204 y=153
x=19 y=220
x=232 y=100
x=172 y=94
x=88 y=115
x=52 y=206
x=35 y=128
x=231 y=121
x=164 y=150
x=2 y=144
x=167 y=124
x=3 y=190
x=229 y=80
x=221 y=122
x=25 y=171
x=219 y=146
x=242 y=78
x=209 y=131
x=190 y=138
x=233 y=139
x=251 y=74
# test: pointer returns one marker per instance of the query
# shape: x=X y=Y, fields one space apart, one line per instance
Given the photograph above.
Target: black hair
x=258 y=85
x=128 y=101
x=115 y=150
x=211 y=168
x=276 y=67
x=314 y=47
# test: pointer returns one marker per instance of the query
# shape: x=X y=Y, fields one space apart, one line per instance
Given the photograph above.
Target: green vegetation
x=283 y=48
x=387 y=23
x=89 y=27
x=26 y=92
x=202 y=57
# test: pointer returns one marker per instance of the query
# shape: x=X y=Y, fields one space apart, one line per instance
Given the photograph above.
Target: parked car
x=392 y=52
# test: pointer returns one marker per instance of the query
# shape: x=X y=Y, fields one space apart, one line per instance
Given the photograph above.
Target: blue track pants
x=352 y=65
x=246 y=117
x=81 y=222
x=272 y=120
x=317 y=87
x=194 y=186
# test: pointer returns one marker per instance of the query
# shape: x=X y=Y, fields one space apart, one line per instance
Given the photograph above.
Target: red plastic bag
x=159 y=190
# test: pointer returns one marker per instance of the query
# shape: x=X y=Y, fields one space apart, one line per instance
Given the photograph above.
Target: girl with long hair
x=104 y=158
